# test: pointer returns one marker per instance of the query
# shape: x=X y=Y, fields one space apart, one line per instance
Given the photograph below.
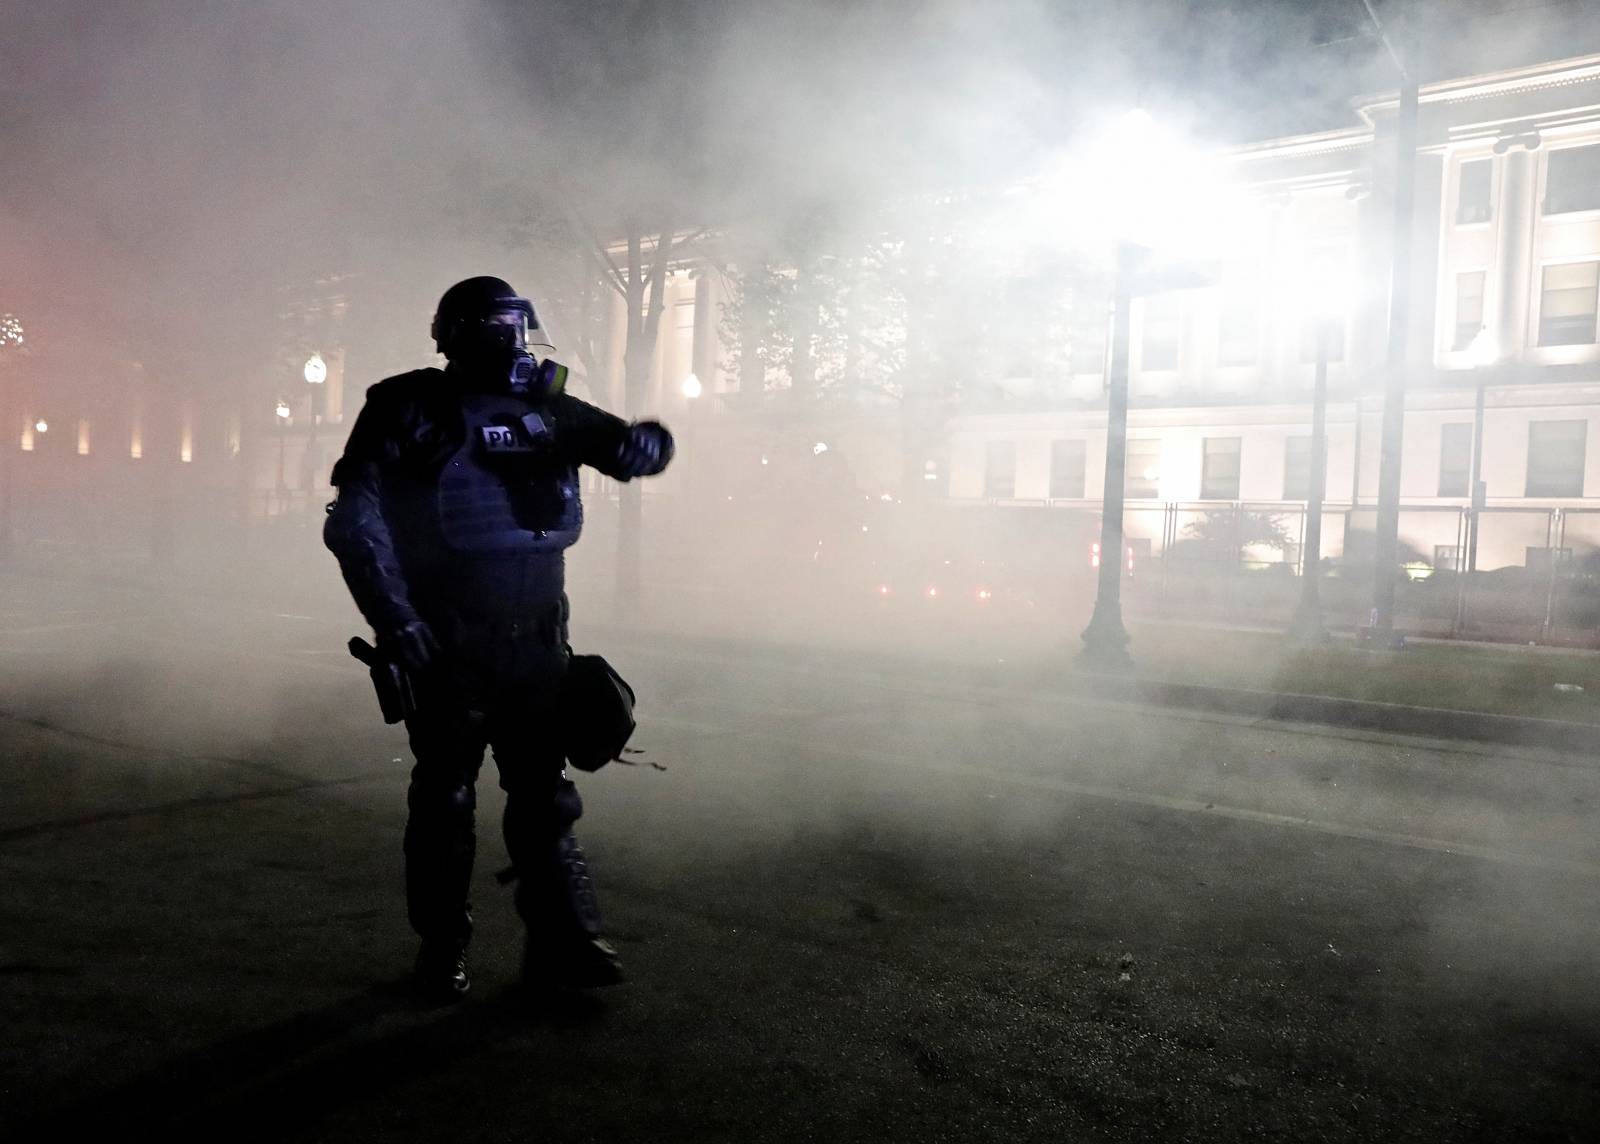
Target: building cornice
x=1515 y=81
x=1293 y=146
x=1551 y=122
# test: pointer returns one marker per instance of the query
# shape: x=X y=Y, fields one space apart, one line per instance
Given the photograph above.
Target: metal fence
x=1533 y=574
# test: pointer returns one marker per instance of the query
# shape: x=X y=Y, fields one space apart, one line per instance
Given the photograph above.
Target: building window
x=1472 y=193
x=1219 y=469
x=1297 y=468
x=1555 y=458
x=1239 y=335
x=1469 y=308
x=1572 y=180
x=1160 y=328
x=1143 y=475
x=1567 y=304
x=1091 y=326
x=1455 y=459
x=1540 y=559
x=1000 y=470
x=1067 y=465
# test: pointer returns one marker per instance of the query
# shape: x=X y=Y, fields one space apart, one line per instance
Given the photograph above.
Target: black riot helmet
x=468 y=305
x=486 y=328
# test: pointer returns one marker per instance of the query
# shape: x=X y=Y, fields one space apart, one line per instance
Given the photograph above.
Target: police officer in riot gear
x=457 y=498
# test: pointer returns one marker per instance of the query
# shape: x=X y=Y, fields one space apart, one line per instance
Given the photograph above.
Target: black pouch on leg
x=597 y=704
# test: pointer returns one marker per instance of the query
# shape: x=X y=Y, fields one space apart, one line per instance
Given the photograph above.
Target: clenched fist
x=646 y=449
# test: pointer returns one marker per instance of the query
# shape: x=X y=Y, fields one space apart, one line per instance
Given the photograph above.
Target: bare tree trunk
x=752 y=325
x=646 y=299
x=802 y=328
x=635 y=368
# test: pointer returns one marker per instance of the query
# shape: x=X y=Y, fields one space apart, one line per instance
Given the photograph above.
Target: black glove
x=411 y=644
x=646 y=449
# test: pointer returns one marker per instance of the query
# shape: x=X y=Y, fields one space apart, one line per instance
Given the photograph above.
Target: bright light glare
x=984 y=594
x=315 y=371
x=42 y=425
x=1324 y=287
x=1484 y=350
x=932 y=592
x=819 y=448
x=1136 y=180
x=282 y=410
x=692 y=388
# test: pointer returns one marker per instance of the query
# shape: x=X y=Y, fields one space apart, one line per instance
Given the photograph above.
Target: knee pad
x=568 y=805
x=442 y=800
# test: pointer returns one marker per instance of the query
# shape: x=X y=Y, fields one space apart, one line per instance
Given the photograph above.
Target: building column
x=705 y=331
x=1514 y=244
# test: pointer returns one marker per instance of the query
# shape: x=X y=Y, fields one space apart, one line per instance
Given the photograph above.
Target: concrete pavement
x=859 y=902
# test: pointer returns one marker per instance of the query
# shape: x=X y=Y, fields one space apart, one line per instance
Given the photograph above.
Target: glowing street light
x=819 y=448
x=41 y=426
x=282 y=411
x=691 y=390
x=315 y=371
x=1138 y=189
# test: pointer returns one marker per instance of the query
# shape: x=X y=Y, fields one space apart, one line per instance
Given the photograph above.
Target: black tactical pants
x=500 y=692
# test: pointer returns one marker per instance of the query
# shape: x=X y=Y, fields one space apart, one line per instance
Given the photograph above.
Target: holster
x=396 y=698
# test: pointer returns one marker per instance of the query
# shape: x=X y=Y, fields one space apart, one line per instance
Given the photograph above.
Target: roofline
x=1553 y=73
x=1318 y=143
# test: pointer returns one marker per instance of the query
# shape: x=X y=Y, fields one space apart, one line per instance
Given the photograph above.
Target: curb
x=1362 y=714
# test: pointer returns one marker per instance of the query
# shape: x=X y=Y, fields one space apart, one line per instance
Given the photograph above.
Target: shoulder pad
x=403 y=385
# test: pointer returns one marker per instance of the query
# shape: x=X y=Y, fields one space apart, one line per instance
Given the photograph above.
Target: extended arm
x=613 y=446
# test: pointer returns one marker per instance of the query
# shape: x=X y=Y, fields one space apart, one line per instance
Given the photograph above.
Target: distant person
x=458 y=496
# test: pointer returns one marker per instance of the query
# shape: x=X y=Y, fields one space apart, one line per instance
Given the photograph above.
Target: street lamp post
x=1307 y=626
x=1105 y=640
x=11 y=336
x=1155 y=208
x=282 y=413
x=1386 y=535
x=692 y=389
x=315 y=372
x=1485 y=351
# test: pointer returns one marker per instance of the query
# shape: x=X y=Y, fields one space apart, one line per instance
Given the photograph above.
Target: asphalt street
x=858 y=898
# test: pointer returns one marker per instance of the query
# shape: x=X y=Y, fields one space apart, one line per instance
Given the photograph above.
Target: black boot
x=441 y=972
x=564 y=943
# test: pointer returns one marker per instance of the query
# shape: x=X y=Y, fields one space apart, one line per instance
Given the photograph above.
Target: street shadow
x=272 y=1082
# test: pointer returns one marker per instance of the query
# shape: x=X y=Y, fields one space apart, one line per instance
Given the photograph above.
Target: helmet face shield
x=506 y=329
x=468 y=310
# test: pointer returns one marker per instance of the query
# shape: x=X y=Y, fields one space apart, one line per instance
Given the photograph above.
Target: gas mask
x=494 y=352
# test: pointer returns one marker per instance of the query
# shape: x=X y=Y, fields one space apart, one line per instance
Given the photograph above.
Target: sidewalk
x=1528 y=697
